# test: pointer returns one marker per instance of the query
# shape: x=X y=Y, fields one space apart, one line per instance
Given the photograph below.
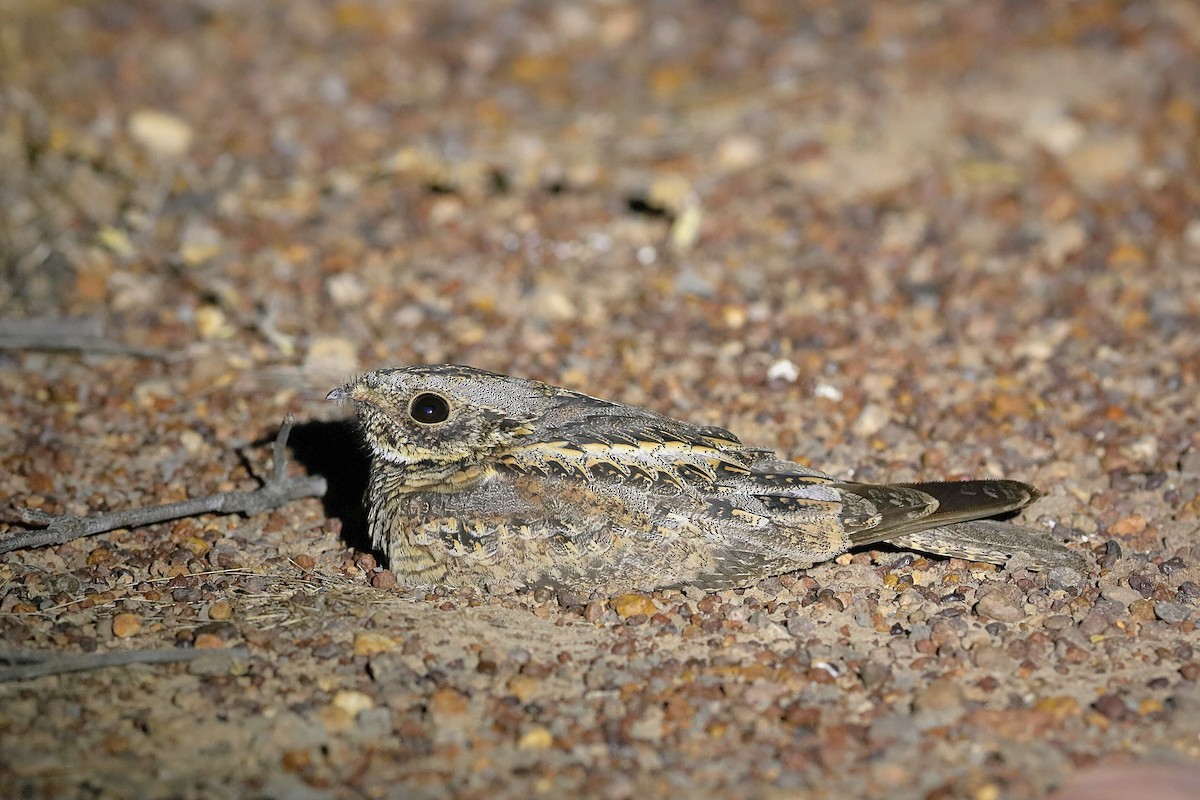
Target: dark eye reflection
x=429 y=409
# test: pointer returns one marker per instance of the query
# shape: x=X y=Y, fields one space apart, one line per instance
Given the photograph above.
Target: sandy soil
x=890 y=240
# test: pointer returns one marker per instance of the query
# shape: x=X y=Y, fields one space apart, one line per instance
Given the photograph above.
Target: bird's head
x=441 y=416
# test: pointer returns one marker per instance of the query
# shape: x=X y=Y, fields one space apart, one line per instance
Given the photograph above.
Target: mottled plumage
x=479 y=479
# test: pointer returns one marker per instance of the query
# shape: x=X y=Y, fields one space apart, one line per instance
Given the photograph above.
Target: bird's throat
x=434 y=476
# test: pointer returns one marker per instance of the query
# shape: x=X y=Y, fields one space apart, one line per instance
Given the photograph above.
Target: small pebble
x=370 y=643
x=331 y=355
x=940 y=695
x=447 y=702
x=1121 y=594
x=1111 y=707
x=220 y=611
x=1171 y=612
x=523 y=687
x=569 y=599
x=629 y=605
x=375 y=723
x=208 y=641
x=384 y=579
x=1003 y=602
x=353 y=702
x=162 y=133
x=537 y=737
x=125 y=625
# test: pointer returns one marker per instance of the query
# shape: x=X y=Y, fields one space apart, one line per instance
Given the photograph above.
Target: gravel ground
x=889 y=240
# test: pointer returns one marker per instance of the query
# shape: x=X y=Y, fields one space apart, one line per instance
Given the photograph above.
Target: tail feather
x=978 y=498
x=904 y=508
x=955 y=523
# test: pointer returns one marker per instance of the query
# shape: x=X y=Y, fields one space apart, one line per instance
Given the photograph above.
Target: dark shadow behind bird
x=335 y=451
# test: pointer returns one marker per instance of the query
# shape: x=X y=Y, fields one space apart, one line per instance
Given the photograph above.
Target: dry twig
x=71 y=334
x=275 y=492
x=34 y=665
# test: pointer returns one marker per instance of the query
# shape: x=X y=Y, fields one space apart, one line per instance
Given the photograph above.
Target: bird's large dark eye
x=429 y=409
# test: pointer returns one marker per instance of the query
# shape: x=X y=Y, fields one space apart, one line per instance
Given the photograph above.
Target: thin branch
x=275 y=492
x=279 y=452
x=33 y=665
x=71 y=334
x=67 y=344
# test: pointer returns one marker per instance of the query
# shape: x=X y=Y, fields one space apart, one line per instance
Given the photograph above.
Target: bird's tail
x=958 y=527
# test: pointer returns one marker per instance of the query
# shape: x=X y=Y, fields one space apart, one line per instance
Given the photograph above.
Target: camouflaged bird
x=480 y=479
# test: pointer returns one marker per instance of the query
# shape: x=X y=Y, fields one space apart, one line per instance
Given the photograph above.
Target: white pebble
x=828 y=391
x=783 y=370
x=163 y=134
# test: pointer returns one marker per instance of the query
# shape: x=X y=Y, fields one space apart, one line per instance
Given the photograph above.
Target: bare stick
x=72 y=334
x=275 y=492
x=33 y=665
x=66 y=344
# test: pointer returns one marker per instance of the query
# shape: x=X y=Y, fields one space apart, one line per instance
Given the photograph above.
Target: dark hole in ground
x=335 y=451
